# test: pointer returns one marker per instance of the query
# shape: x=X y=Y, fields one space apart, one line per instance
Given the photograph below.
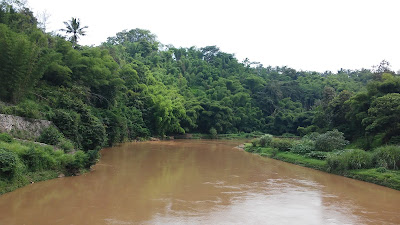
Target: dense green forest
x=132 y=87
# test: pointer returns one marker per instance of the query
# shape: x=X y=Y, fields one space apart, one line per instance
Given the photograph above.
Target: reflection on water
x=198 y=182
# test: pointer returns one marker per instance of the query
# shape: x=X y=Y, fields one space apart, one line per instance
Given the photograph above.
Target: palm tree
x=74 y=27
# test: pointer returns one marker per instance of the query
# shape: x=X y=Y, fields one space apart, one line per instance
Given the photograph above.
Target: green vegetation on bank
x=326 y=152
x=132 y=87
x=24 y=162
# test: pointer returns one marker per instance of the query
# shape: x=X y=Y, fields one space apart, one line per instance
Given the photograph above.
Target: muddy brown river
x=198 y=182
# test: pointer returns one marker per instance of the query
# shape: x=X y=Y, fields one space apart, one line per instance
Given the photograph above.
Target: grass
x=302 y=160
x=389 y=178
x=385 y=177
x=22 y=163
x=29 y=177
x=288 y=157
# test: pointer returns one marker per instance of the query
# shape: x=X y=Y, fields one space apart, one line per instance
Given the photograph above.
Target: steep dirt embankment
x=31 y=127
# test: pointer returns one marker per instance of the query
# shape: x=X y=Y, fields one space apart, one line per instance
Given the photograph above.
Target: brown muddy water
x=198 y=182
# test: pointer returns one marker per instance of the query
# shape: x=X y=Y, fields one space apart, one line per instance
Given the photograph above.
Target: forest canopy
x=132 y=86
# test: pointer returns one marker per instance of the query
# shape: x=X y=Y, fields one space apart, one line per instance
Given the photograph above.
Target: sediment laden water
x=198 y=182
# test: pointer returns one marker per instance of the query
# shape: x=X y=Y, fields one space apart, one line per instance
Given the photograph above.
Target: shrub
x=357 y=159
x=387 y=156
x=331 y=140
x=8 y=163
x=287 y=135
x=38 y=159
x=81 y=159
x=274 y=152
x=93 y=156
x=335 y=162
x=349 y=159
x=394 y=140
x=74 y=163
x=28 y=108
x=65 y=145
x=254 y=142
x=50 y=136
x=312 y=136
x=6 y=138
x=282 y=144
x=304 y=146
x=381 y=170
x=265 y=140
x=213 y=133
x=317 y=155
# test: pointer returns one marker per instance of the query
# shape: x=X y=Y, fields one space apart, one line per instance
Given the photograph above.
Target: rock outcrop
x=33 y=127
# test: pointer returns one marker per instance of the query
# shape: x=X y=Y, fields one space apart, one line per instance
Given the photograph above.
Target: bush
x=65 y=145
x=304 y=146
x=381 y=170
x=274 y=152
x=387 y=157
x=50 y=136
x=38 y=159
x=254 y=142
x=6 y=137
x=334 y=162
x=288 y=135
x=331 y=140
x=265 y=140
x=282 y=144
x=317 y=155
x=213 y=133
x=358 y=159
x=349 y=159
x=28 y=108
x=74 y=163
x=312 y=136
x=93 y=157
x=81 y=159
x=8 y=163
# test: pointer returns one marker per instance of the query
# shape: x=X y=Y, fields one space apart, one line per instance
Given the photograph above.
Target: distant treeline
x=133 y=87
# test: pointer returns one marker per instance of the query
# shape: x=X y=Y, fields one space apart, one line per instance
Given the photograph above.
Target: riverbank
x=23 y=163
x=384 y=177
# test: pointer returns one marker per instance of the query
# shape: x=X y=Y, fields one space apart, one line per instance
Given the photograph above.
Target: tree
x=74 y=27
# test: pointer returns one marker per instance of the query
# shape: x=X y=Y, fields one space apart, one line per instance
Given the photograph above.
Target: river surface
x=198 y=182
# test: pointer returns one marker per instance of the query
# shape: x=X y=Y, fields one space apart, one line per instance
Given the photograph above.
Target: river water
x=198 y=182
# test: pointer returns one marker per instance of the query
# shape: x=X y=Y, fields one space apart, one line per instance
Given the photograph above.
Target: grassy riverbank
x=22 y=163
x=379 y=166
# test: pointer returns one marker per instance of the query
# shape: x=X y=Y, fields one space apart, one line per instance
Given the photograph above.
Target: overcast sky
x=315 y=35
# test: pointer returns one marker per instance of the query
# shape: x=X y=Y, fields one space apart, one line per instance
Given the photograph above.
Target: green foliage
x=317 y=155
x=129 y=88
x=282 y=144
x=50 y=136
x=8 y=163
x=5 y=137
x=213 y=133
x=312 y=136
x=255 y=142
x=349 y=159
x=381 y=170
x=304 y=146
x=20 y=66
x=28 y=108
x=38 y=159
x=265 y=140
x=65 y=145
x=387 y=157
x=331 y=140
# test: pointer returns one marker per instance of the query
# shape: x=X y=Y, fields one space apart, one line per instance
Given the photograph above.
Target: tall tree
x=74 y=28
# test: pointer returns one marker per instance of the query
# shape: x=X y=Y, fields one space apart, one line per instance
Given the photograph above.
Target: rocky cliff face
x=33 y=127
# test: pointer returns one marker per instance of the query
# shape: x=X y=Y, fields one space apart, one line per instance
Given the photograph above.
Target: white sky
x=303 y=34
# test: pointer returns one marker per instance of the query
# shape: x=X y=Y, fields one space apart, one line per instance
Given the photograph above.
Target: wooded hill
x=132 y=87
